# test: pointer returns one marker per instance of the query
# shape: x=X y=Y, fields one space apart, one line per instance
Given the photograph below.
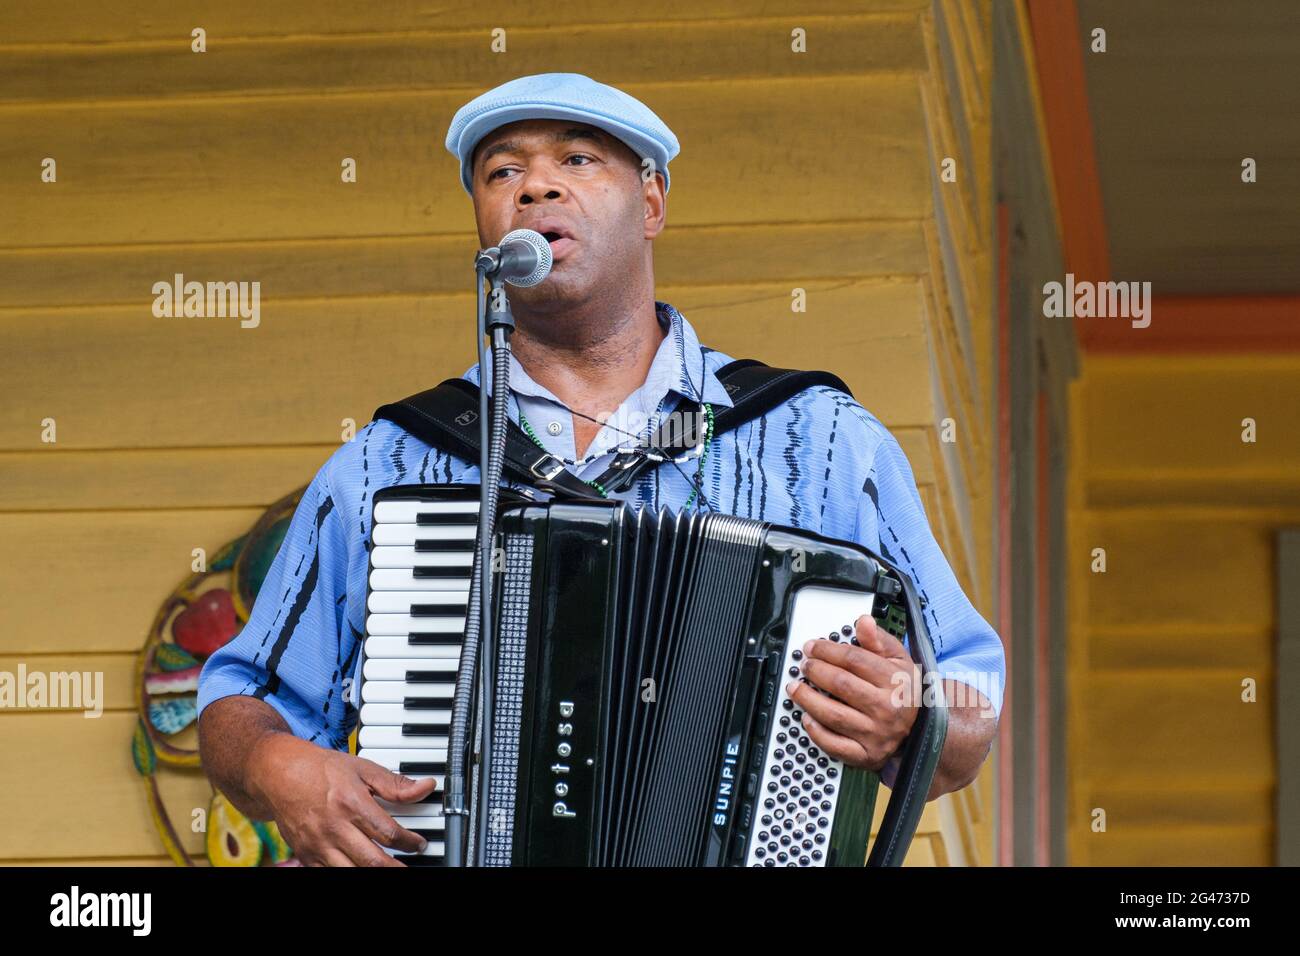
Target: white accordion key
x=408 y=511
x=372 y=737
x=393 y=759
x=406 y=625
x=405 y=535
x=435 y=848
x=419 y=823
x=429 y=809
x=403 y=602
x=394 y=715
x=395 y=646
x=397 y=692
x=423 y=669
x=404 y=579
x=452 y=563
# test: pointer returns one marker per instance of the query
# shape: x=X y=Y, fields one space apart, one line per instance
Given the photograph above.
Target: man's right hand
x=324 y=802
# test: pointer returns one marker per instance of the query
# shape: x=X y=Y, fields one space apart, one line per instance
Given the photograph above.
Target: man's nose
x=540 y=181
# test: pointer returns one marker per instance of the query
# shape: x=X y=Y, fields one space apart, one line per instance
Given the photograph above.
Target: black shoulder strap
x=755 y=389
x=446 y=417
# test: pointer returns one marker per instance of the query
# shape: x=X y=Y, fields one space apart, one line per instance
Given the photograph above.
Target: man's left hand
x=873 y=703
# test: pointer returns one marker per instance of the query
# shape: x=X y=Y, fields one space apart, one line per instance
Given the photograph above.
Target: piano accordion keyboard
x=418 y=596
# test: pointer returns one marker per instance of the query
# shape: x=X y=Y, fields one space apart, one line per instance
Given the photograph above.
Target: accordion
x=639 y=667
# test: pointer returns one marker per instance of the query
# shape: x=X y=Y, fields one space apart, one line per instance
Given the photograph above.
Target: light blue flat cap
x=560 y=96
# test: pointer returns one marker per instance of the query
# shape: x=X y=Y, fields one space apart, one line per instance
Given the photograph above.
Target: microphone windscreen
x=531 y=255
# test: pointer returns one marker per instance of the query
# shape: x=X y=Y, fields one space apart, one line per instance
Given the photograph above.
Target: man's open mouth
x=561 y=242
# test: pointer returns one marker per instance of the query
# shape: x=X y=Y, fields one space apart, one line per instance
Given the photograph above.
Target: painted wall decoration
x=204 y=612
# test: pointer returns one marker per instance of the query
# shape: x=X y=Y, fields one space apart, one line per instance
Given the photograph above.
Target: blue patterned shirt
x=819 y=461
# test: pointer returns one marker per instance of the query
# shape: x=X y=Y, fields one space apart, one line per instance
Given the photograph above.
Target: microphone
x=522 y=258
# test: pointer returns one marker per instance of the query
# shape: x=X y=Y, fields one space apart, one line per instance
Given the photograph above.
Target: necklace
x=699 y=470
x=528 y=430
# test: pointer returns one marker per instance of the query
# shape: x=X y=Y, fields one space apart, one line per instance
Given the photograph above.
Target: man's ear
x=656 y=205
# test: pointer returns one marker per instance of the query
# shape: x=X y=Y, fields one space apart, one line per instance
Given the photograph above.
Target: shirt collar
x=678 y=368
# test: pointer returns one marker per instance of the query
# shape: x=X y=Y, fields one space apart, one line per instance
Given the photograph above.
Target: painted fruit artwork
x=206 y=624
x=204 y=613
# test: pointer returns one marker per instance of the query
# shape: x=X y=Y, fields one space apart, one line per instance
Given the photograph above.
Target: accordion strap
x=446 y=417
x=754 y=389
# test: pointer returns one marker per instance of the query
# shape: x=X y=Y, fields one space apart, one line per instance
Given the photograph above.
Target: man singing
x=597 y=361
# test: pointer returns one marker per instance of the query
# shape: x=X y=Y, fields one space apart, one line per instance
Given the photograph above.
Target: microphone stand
x=500 y=324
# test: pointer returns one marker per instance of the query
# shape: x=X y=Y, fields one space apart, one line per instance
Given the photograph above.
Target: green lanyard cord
x=708 y=438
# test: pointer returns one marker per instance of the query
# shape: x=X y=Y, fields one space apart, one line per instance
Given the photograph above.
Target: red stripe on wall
x=1058 y=56
x=1236 y=323
x=1006 y=754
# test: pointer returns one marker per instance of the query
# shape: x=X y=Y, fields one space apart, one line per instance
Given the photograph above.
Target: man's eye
x=505 y=169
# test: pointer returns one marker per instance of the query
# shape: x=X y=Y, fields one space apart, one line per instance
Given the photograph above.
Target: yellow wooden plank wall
x=1160 y=738
x=225 y=165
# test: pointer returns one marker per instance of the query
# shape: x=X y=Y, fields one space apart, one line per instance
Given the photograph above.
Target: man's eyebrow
x=560 y=136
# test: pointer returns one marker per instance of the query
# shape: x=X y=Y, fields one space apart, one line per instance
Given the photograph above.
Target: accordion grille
x=512 y=634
